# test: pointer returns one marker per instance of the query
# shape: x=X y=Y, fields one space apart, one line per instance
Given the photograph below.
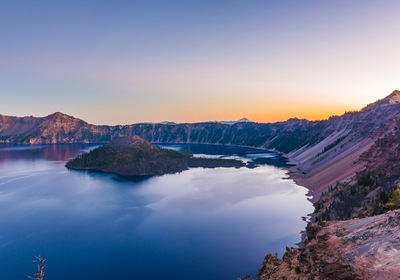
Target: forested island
x=134 y=156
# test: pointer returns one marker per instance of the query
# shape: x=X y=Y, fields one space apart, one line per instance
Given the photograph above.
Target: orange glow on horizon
x=311 y=114
x=264 y=115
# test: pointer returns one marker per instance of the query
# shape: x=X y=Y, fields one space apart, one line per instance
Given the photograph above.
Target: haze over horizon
x=121 y=62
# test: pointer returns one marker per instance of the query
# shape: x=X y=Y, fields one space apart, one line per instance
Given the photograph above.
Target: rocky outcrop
x=354 y=249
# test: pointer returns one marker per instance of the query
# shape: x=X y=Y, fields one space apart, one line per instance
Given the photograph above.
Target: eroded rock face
x=367 y=248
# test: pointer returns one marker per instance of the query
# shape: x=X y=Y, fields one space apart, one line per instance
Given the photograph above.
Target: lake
x=198 y=224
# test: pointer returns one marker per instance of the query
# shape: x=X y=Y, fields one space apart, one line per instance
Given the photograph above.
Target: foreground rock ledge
x=366 y=248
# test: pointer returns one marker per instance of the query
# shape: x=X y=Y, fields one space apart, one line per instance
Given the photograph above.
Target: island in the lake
x=134 y=156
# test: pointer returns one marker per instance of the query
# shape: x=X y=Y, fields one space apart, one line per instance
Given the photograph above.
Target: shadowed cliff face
x=325 y=151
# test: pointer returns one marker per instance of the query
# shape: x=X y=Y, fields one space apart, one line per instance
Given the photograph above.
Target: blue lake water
x=198 y=224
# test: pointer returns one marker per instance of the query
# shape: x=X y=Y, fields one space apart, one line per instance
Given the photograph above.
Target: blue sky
x=118 y=62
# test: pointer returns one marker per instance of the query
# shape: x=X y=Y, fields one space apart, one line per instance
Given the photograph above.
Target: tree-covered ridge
x=133 y=156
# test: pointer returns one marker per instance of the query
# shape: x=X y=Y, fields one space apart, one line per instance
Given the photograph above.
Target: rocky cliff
x=55 y=128
x=354 y=249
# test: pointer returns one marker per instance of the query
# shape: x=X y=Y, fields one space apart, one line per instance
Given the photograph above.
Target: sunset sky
x=121 y=62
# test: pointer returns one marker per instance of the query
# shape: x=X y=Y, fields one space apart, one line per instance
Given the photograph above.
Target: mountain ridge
x=324 y=151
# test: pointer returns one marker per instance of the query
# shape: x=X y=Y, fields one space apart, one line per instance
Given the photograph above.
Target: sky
x=122 y=62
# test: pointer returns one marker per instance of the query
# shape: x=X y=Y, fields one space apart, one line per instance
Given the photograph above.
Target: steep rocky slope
x=370 y=191
x=355 y=249
x=337 y=156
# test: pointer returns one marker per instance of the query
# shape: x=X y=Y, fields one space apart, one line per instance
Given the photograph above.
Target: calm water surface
x=199 y=224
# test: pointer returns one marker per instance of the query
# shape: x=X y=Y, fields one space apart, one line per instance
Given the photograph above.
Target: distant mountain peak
x=242 y=120
x=58 y=116
x=168 y=123
x=391 y=99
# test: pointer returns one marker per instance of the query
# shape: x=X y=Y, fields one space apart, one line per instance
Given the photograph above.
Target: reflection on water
x=56 y=152
x=198 y=224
